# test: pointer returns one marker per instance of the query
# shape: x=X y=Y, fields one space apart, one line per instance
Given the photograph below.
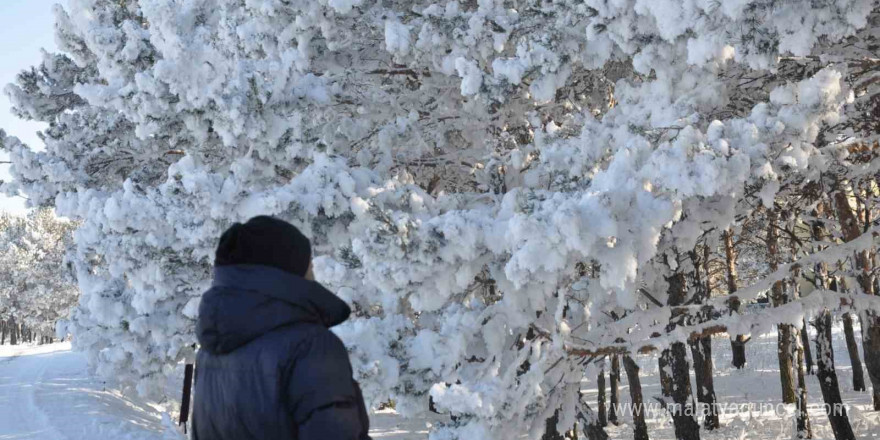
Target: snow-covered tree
x=39 y=288
x=489 y=182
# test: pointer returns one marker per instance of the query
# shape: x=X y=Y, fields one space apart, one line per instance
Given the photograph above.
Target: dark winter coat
x=269 y=368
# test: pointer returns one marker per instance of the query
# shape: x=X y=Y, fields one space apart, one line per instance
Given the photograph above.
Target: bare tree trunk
x=737 y=343
x=615 y=389
x=778 y=297
x=681 y=407
x=804 y=430
x=550 y=431
x=13 y=338
x=834 y=408
x=805 y=344
x=600 y=399
x=3 y=327
x=853 y=348
x=701 y=349
x=849 y=224
x=640 y=428
x=871 y=347
x=824 y=352
x=677 y=386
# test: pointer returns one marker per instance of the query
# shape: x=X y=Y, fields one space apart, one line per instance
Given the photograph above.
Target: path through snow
x=46 y=393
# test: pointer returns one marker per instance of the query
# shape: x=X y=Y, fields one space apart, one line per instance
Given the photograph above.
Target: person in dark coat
x=269 y=368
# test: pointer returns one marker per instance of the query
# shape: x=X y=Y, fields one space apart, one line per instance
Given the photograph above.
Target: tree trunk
x=550 y=431
x=834 y=408
x=13 y=331
x=3 y=327
x=779 y=297
x=805 y=344
x=600 y=400
x=871 y=347
x=849 y=224
x=615 y=389
x=677 y=387
x=804 y=430
x=784 y=350
x=737 y=343
x=701 y=351
x=640 y=428
x=853 y=349
x=681 y=407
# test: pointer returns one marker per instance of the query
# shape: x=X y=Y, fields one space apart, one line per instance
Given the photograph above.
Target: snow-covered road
x=46 y=394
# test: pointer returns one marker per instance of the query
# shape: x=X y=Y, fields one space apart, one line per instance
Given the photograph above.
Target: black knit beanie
x=267 y=241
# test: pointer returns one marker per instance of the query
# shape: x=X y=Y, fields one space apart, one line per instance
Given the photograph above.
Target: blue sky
x=26 y=26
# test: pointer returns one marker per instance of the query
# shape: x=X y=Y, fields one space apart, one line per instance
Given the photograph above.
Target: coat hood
x=248 y=301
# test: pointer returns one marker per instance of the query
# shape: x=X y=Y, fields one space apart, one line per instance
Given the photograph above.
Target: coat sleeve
x=324 y=399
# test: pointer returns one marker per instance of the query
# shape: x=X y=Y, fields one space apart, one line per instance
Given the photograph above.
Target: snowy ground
x=756 y=387
x=46 y=394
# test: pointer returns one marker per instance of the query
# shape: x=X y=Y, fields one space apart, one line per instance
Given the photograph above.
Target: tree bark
x=834 y=408
x=701 y=348
x=805 y=344
x=677 y=386
x=681 y=406
x=600 y=400
x=849 y=224
x=778 y=297
x=13 y=331
x=804 y=430
x=737 y=343
x=852 y=347
x=615 y=389
x=701 y=351
x=640 y=428
x=550 y=431
x=871 y=347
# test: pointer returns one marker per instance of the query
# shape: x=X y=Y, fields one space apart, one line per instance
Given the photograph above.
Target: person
x=269 y=367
